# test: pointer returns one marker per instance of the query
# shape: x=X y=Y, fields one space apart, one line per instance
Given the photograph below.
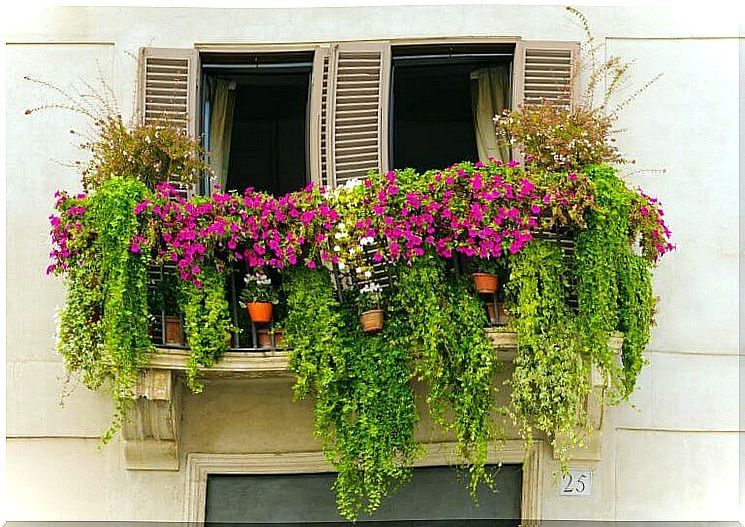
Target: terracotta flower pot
x=485 y=282
x=279 y=338
x=372 y=321
x=174 y=335
x=503 y=316
x=491 y=313
x=260 y=312
x=264 y=338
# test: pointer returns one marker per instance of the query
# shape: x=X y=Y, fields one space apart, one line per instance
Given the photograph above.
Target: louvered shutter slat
x=168 y=92
x=545 y=71
x=358 y=94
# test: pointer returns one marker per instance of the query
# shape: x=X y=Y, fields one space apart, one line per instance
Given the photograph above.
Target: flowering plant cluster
x=558 y=138
x=152 y=153
x=646 y=224
x=370 y=297
x=481 y=210
x=258 y=288
x=70 y=233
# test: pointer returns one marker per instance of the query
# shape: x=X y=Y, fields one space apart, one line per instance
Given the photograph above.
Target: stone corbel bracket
x=151 y=432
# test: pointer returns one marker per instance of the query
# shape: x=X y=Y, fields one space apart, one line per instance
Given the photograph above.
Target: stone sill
x=274 y=362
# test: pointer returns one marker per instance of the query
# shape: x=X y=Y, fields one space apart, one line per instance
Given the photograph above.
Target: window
x=443 y=101
x=255 y=119
x=275 y=119
x=359 y=106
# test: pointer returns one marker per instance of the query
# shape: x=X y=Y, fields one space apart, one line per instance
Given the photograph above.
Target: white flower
x=368 y=274
x=337 y=248
x=352 y=183
x=341 y=266
x=372 y=287
x=367 y=240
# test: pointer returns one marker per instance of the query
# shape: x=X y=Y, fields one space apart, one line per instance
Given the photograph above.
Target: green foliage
x=206 y=322
x=80 y=332
x=104 y=326
x=152 y=153
x=636 y=308
x=439 y=319
x=364 y=405
x=613 y=284
x=551 y=375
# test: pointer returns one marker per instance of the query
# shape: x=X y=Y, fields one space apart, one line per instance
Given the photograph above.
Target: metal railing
x=258 y=337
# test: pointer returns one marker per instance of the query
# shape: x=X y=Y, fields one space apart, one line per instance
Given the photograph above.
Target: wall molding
x=199 y=466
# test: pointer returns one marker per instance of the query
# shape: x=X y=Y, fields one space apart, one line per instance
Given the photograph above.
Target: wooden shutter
x=545 y=71
x=322 y=75
x=357 y=138
x=168 y=90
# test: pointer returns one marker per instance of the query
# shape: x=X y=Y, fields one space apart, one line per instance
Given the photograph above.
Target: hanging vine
x=206 y=322
x=364 y=405
x=551 y=375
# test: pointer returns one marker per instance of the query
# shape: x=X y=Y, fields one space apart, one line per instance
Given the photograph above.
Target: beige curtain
x=490 y=98
x=222 y=97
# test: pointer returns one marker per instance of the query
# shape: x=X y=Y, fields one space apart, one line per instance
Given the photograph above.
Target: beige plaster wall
x=672 y=456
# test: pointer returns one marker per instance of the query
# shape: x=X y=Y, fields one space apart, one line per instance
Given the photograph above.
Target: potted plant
x=259 y=297
x=279 y=336
x=485 y=277
x=264 y=338
x=369 y=303
x=163 y=304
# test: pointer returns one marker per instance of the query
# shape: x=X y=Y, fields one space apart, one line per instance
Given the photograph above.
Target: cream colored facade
x=671 y=455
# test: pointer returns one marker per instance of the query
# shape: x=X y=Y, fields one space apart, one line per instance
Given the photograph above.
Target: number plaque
x=576 y=483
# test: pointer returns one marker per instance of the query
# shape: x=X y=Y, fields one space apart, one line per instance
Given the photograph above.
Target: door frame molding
x=199 y=466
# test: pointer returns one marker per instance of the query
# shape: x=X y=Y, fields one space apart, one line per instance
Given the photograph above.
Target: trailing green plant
x=364 y=405
x=440 y=320
x=104 y=326
x=206 y=322
x=551 y=376
x=636 y=315
x=613 y=283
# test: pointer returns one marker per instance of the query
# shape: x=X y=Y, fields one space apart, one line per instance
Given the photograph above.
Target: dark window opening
x=434 y=102
x=267 y=120
x=435 y=497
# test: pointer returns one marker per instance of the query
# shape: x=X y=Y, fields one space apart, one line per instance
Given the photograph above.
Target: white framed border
x=199 y=466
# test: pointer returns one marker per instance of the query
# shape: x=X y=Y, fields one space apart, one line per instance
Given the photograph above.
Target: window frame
x=512 y=451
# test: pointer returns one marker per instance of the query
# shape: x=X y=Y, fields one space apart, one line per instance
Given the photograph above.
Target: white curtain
x=490 y=98
x=222 y=105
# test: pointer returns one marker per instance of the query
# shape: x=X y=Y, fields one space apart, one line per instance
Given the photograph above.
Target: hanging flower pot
x=372 y=321
x=260 y=312
x=485 y=282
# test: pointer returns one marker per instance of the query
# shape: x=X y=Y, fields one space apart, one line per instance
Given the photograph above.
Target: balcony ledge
x=151 y=434
x=274 y=362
